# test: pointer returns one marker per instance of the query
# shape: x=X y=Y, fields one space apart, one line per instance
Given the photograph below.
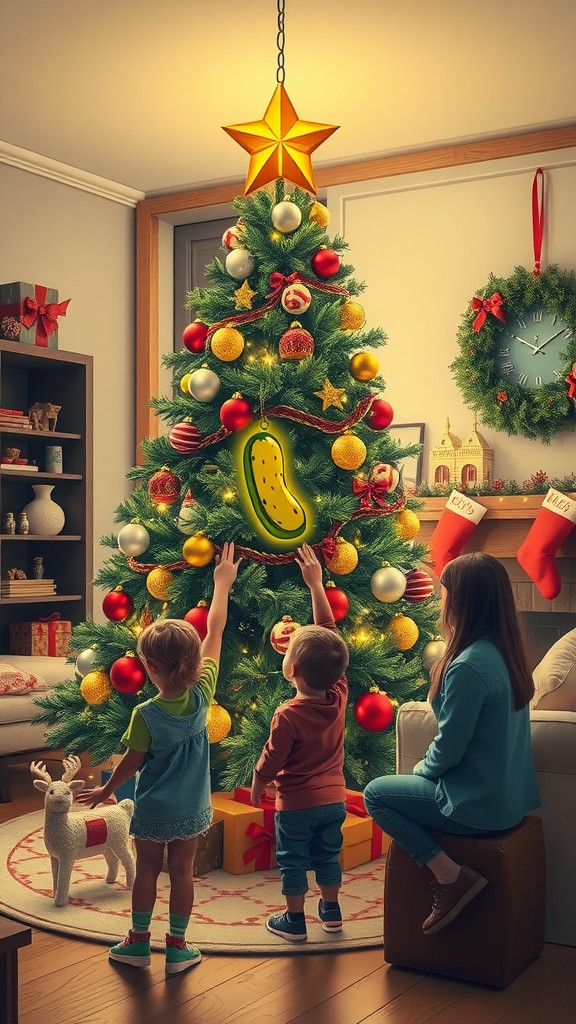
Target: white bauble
x=388 y=584
x=286 y=217
x=204 y=384
x=86 y=662
x=239 y=264
x=133 y=539
x=433 y=650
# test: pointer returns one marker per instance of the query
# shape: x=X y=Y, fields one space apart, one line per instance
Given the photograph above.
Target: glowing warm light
x=229 y=495
x=276 y=236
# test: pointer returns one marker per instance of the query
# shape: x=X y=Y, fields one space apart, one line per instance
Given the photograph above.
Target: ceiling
x=136 y=91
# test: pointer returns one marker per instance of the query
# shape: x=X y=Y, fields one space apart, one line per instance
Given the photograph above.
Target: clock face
x=530 y=350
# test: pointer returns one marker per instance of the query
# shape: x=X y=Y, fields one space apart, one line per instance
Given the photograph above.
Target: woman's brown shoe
x=449 y=900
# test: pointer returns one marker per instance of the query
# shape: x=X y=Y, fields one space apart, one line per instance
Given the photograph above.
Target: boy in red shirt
x=304 y=757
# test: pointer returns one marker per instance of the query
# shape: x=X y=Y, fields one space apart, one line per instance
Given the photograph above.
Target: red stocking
x=455 y=526
x=555 y=520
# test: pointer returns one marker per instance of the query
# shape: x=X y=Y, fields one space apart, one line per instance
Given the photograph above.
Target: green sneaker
x=180 y=956
x=133 y=950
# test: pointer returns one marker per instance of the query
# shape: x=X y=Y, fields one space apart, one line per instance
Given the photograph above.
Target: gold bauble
x=348 y=451
x=407 y=524
x=218 y=722
x=364 y=366
x=184 y=383
x=319 y=214
x=227 y=344
x=96 y=687
x=158 y=582
x=198 y=550
x=352 y=316
x=345 y=558
x=404 y=632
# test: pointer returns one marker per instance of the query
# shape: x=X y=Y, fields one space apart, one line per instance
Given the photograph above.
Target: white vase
x=46 y=518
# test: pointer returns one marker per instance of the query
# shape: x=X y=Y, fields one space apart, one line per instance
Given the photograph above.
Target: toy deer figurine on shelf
x=82 y=833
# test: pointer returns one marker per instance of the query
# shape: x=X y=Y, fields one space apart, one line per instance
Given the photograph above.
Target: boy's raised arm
x=312 y=576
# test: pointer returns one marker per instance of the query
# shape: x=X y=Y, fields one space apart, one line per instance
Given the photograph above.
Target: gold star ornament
x=330 y=395
x=244 y=296
x=280 y=144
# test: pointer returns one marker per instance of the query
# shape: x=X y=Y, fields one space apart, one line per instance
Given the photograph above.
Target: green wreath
x=503 y=403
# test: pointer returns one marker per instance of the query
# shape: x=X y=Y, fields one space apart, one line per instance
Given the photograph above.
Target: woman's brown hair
x=174 y=646
x=479 y=602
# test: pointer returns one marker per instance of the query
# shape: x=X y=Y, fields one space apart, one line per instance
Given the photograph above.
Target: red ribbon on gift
x=355 y=805
x=484 y=306
x=571 y=380
x=43 y=314
x=371 y=492
x=52 y=621
x=261 y=851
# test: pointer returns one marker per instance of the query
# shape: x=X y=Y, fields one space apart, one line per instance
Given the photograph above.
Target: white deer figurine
x=85 y=833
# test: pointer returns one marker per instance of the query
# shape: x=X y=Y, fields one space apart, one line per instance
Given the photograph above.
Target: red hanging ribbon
x=492 y=305
x=43 y=314
x=370 y=491
x=571 y=380
x=537 y=218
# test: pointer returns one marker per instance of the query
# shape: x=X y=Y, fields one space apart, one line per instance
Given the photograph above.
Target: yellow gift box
x=248 y=834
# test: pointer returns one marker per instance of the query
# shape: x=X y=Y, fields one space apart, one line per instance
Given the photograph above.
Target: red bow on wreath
x=371 y=491
x=571 y=380
x=46 y=315
x=484 y=306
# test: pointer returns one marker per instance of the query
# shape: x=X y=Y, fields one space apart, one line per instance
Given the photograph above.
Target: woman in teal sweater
x=477 y=775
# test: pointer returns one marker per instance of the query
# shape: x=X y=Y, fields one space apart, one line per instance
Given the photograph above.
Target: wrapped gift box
x=44 y=637
x=379 y=841
x=248 y=832
x=37 y=310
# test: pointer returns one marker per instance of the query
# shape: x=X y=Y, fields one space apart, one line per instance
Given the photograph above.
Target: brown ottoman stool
x=497 y=935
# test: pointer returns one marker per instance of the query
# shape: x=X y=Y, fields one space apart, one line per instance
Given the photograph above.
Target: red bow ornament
x=261 y=851
x=44 y=315
x=492 y=305
x=571 y=381
x=371 y=491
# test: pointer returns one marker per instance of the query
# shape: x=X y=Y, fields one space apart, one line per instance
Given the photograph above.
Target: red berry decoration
x=374 y=710
x=198 y=617
x=325 y=263
x=194 y=337
x=337 y=600
x=185 y=437
x=296 y=343
x=128 y=674
x=117 y=605
x=164 y=487
x=236 y=413
x=380 y=416
x=419 y=586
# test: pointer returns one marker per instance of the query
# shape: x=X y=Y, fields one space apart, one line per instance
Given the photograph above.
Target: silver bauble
x=433 y=650
x=133 y=539
x=185 y=520
x=86 y=662
x=388 y=584
x=286 y=217
x=204 y=384
x=239 y=264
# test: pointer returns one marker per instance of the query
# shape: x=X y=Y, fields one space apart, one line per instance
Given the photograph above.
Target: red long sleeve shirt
x=304 y=753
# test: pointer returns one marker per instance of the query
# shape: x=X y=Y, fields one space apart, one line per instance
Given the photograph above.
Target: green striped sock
x=141 y=921
x=177 y=926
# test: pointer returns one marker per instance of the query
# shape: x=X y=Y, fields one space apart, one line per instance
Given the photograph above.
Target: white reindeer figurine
x=85 y=833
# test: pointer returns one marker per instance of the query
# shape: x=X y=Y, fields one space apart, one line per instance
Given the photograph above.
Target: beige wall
x=83 y=245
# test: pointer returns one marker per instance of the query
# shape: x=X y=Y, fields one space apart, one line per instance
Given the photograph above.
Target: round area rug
x=229 y=915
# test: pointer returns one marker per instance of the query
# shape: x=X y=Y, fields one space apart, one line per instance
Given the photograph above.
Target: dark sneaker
x=330 y=916
x=449 y=900
x=293 y=931
x=133 y=950
x=180 y=956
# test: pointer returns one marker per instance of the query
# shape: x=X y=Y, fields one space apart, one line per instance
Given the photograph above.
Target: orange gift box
x=249 y=837
x=379 y=841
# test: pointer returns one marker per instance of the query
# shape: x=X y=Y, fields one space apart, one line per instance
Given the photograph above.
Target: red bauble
x=198 y=617
x=338 y=602
x=374 y=710
x=128 y=675
x=185 y=437
x=419 y=586
x=325 y=263
x=296 y=343
x=194 y=337
x=236 y=413
x=117 y=605
x=164 y=487
x=380 y=416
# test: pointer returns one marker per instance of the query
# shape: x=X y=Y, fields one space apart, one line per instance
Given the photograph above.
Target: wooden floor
x=68 y=981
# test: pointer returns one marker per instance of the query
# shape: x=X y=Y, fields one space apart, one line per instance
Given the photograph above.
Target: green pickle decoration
x=277 y=509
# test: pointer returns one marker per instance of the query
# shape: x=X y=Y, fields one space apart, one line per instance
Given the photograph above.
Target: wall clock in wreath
x=517 y=353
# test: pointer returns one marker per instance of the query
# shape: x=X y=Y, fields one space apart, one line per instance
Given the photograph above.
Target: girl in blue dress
x=168 y=751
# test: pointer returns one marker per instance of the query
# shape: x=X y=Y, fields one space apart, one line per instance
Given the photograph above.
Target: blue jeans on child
x=309 y=840
x=404 y=806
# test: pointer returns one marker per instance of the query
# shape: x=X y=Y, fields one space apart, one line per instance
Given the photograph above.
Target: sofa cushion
x=555 y=676
x=15 y=680
x=21 y=708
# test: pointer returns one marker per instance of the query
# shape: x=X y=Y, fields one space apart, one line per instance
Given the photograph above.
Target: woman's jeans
x=309 y=839
x=404 y=806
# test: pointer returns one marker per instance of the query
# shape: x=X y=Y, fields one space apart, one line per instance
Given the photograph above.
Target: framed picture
x=410 y=467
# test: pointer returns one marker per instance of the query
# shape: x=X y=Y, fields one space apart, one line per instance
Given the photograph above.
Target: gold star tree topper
x=330 y=395
x=280 y=144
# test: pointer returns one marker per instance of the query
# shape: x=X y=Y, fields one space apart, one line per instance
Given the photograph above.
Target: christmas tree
x=276 y=435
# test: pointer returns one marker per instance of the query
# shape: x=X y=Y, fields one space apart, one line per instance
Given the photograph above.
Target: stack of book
x=14 y=418
x=27 y=588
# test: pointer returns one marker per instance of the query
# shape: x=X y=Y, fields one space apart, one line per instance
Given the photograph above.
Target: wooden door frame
x=150 y=211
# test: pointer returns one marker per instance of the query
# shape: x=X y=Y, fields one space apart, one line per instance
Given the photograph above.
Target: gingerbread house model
x=461 y=462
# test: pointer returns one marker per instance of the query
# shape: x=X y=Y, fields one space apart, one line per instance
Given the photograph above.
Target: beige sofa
x=20 y=740
x=554 y=745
